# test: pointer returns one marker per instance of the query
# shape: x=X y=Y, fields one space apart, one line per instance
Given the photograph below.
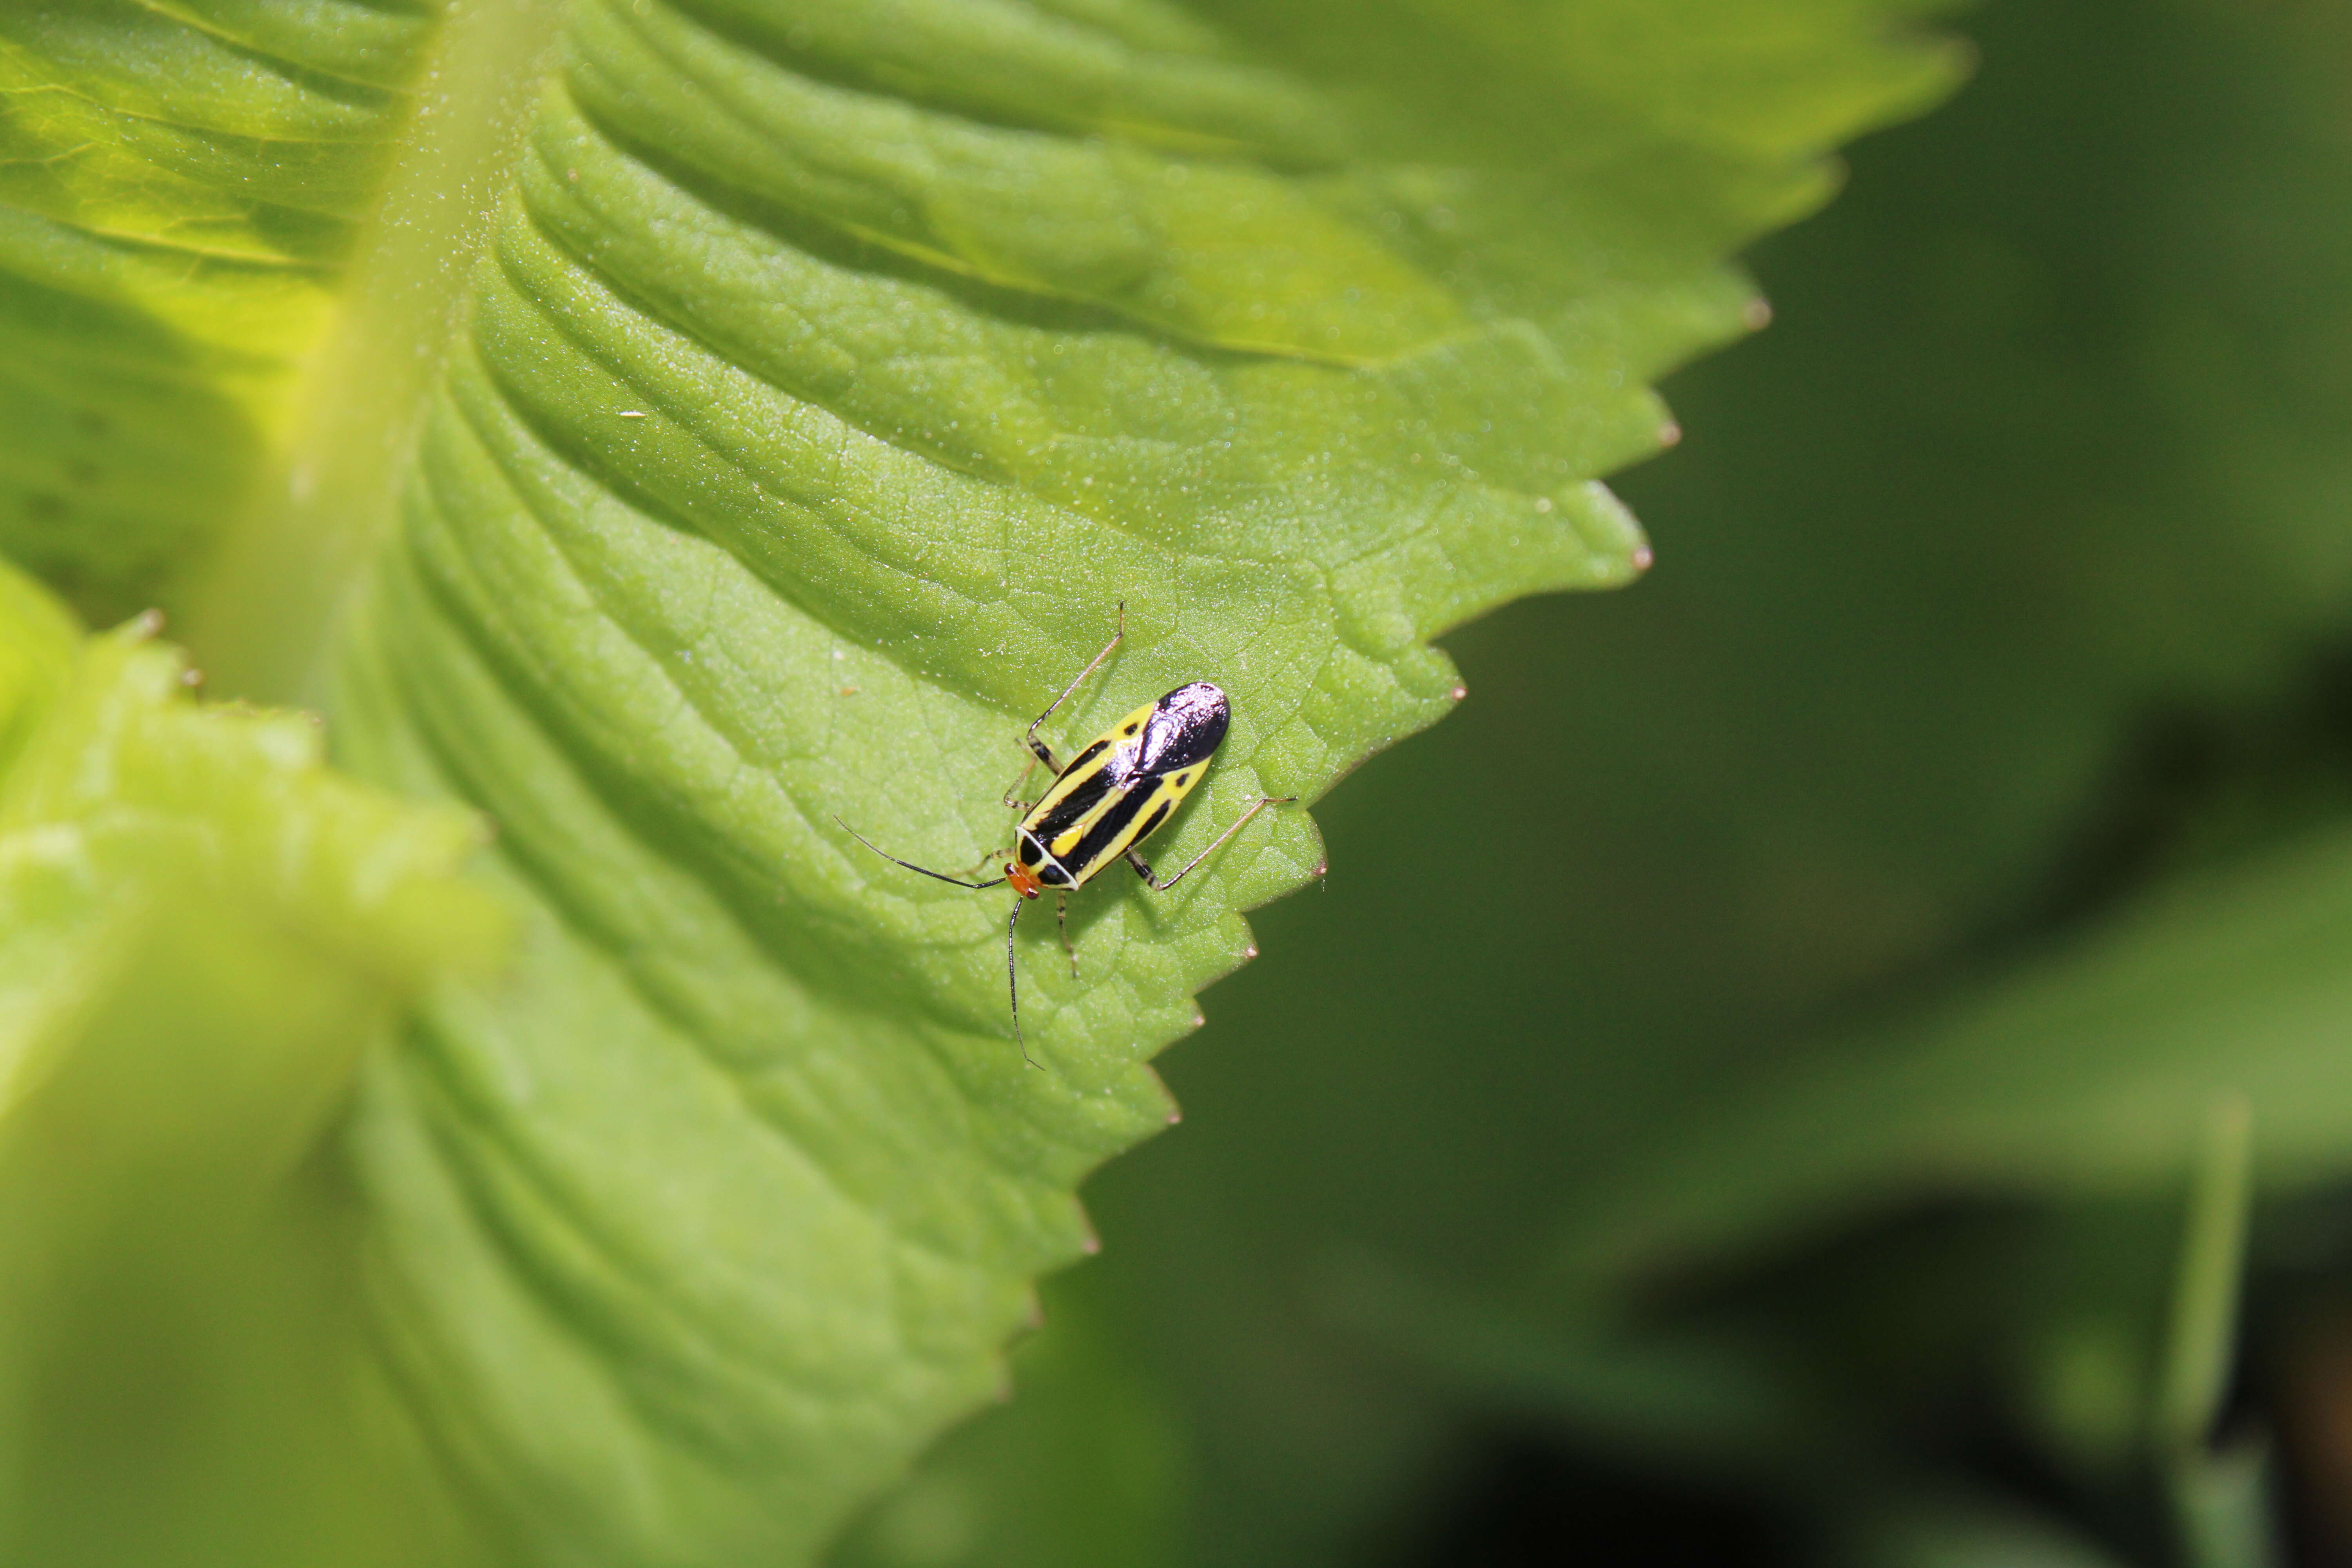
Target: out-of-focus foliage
x=179 y=188
x=204 y=930
x=779 y=397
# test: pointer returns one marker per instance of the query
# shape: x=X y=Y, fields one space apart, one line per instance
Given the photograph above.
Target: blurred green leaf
x=179 y=188
x=1698 y=1406
x=204 y=930
x=1952 y=1531
x=2227 y=1501
x=2095 y=1068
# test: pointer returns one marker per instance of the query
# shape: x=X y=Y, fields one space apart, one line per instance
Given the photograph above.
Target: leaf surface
x=205 y=928
x=180 y=191
x=838 y=373
x=833 y=373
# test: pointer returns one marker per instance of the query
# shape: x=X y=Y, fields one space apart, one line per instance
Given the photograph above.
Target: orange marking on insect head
x=1024 y=881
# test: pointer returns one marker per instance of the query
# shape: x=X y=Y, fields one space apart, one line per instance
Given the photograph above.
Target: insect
x=1104 y=802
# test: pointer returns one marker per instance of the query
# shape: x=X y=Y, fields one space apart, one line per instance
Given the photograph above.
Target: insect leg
x=1064 y=914
x=1038 y=747
x=910 y=866
x=1012 y=978
x=1022 y=805
x=1159 y=886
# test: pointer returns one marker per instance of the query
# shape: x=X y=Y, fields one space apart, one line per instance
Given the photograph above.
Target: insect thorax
x=1032 y=856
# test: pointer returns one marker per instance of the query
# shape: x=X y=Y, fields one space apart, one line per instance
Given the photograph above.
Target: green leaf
x=1933 y=1530
x=179 y=191
x=2095 y=1069
x=205 y=928
x=835 y=371
x=838 y=372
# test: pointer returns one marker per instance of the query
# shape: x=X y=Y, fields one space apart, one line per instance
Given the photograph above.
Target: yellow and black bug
x=1104 y=802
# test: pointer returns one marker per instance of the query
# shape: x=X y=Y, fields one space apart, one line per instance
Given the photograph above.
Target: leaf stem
x=262 y=614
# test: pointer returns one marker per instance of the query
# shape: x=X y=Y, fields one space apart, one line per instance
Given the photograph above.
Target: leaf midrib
x=265 y=608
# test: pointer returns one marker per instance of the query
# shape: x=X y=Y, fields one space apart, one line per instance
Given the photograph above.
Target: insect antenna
x=1011 y=963
x=909 y=864
x=1013 y=979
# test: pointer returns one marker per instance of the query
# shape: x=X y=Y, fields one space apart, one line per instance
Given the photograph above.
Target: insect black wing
x=1185 y=728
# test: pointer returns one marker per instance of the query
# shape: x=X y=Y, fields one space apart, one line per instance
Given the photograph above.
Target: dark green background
x=2003 y=577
